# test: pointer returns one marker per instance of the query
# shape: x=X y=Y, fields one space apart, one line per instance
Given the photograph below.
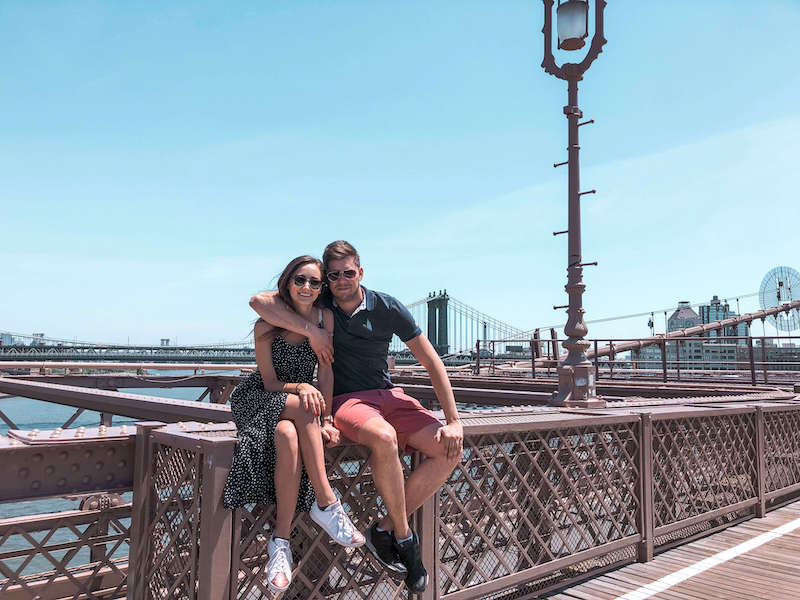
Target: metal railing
x=541 y=497
x=755 y=359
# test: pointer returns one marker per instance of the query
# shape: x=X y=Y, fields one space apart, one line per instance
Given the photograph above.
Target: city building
x=703 y=353
x=719 y=311
x=778 y=357
x=683 y=317
x=6 y=339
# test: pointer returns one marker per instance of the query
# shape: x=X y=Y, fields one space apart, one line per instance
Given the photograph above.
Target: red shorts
x=404 y=413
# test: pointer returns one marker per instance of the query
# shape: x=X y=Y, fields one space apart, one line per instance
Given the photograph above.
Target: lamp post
x=576 y=383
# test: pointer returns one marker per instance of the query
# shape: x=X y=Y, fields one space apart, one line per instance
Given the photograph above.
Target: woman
x=276 y=409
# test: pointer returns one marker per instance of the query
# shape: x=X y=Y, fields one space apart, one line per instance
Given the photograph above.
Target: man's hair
x=338 y=250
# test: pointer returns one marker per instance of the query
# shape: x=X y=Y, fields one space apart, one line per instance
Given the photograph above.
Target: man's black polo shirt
x=361 y=341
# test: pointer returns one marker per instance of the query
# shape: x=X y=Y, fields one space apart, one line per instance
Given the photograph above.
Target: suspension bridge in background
x=457 y=330
x=454 y=328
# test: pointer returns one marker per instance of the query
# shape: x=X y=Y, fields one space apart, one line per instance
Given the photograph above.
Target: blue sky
x=162 y=161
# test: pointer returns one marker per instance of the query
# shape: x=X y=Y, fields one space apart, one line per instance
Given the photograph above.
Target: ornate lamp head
x=572 y=23
x=573 y=29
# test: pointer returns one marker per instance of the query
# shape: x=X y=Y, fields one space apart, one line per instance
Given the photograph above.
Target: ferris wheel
x=781 y=286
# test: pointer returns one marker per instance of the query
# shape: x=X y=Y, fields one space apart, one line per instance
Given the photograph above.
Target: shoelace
x=343 y=524
x=281 y=561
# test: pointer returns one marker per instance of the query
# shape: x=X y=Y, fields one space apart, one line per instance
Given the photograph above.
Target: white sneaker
x=337 y=524
x=279 y=567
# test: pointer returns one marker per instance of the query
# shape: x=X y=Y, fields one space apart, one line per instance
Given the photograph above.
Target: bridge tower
x=437 y=321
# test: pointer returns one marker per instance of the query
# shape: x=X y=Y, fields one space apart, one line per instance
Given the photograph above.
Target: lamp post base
x=576 y=387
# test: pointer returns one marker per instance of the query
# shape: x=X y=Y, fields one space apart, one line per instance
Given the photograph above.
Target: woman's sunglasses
x=348 y=274
x=301 y=280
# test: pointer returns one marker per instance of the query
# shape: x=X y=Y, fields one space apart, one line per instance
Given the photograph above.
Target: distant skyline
x=163 y=162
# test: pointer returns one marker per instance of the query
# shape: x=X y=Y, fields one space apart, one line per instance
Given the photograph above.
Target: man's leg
x=432 y=472
x=387 y=473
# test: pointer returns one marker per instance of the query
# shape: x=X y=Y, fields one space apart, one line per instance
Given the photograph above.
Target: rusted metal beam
x=45 y=521
x=30 y=471
x=644 y=389
x=645 y=547
x=107 y=381
x=118 y=403
x=124 y=366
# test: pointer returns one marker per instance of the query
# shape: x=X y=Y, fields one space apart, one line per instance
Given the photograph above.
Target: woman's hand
x=311 y=398
x=330 y=435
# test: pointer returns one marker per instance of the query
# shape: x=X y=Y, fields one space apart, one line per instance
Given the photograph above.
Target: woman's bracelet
x=327 y=419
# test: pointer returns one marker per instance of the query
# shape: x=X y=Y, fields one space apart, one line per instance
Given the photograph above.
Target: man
x=369 y=410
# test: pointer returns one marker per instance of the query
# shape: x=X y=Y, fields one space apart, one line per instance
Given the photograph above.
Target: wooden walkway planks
x=756 y=559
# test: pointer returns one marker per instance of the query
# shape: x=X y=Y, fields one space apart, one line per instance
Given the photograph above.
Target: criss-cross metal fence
x=541 y=497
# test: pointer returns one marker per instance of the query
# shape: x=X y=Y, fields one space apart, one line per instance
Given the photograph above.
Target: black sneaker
x=411 y=557
x=381 y=544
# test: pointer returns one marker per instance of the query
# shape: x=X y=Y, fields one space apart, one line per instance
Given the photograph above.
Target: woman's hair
x=285 y=278
x=338 y=250
x=284 y=281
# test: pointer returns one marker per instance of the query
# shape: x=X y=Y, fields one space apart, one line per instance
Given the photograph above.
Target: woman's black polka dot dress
x=256 y=413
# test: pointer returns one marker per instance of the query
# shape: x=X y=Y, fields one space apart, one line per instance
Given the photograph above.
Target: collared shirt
x=362 y=306
x=361 y=341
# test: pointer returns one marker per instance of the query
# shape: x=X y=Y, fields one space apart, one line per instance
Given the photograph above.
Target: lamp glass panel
x=571 y=17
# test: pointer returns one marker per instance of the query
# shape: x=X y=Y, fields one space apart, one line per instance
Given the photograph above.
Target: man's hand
x=311 y=398
x=322 y=345
x=452 y=436
x=330 y=435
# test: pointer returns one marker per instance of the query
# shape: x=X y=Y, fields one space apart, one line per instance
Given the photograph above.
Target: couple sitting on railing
x=347 y=328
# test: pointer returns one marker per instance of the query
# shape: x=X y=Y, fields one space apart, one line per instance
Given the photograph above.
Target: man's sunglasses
x=348 y=274
x=301 y=280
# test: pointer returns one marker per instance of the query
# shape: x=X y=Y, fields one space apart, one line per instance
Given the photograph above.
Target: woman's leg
x=311 y=448
x=288 y=470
